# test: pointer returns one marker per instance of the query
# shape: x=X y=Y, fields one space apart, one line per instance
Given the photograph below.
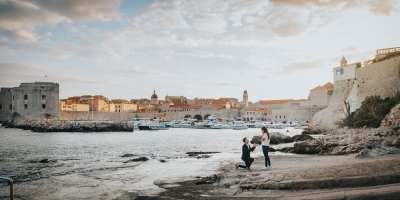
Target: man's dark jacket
x=246 y=151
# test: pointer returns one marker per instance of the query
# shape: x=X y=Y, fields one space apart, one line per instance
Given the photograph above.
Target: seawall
x=382 y=79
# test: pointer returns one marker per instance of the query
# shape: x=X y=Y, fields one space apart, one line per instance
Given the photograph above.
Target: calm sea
x=74 y=153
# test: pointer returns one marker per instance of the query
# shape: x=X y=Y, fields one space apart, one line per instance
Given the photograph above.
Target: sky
x=276 y=49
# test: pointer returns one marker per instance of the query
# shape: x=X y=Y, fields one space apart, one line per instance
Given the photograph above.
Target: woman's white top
x=266 y=141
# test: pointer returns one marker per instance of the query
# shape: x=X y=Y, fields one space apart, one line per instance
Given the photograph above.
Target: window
x=13 y=97
x=1 y=107
x=43 y=106
x=26 y=106
x=11 y=107
x=25 y=97
x=341 y=71
x=43 y=97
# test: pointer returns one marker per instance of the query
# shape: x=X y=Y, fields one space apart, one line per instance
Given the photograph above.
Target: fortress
x=30 y=101
x=353 y=83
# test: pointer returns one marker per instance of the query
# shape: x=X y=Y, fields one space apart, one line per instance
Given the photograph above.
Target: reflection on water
x=73 y=153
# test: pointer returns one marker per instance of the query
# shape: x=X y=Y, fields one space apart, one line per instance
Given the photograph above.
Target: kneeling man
x=246 y=149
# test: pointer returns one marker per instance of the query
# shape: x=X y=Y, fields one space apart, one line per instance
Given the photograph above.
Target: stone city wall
x=97 y=115
x=181 y=115
x=382 y=79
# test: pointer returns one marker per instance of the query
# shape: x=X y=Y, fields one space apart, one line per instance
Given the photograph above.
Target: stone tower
x=245 y=98
x=343 y=62
x=154 y=98
x=36 y=100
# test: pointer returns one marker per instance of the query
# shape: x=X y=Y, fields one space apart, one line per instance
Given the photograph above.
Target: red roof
x=219 y=101
x=217 y=106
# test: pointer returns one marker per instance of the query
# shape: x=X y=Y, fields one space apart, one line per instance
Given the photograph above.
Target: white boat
x=184 y=124
x=152 y=125
x=198 y=125
x=248 y=124
x=221 y=126
x=239 y=125
x=279 y=125
x=289 y=124
x=269 y=124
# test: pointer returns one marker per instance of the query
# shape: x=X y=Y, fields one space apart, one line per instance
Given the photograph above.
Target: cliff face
x=382 y=79
x=393 y=118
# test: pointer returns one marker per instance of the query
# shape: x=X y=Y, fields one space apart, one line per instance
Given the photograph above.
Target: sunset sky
x=276 y=49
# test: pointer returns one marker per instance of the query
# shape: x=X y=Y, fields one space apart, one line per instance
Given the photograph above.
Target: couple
x=246 y=149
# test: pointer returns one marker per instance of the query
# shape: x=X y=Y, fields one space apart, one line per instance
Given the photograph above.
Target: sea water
x=72 y=153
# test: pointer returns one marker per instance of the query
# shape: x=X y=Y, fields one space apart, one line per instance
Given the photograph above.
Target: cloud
x=210 y=23
x=310 y=3
x=226 y=56
x=350 y=49
x=83 y=11
x=19 y=19
x=286 y=23
x=14 y=73
x=303 y=65
x=133 y=70
x=384 y=7
x=226 y=84
x=192 y=53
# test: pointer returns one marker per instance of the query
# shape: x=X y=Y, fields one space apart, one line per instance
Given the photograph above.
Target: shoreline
x=291 y=176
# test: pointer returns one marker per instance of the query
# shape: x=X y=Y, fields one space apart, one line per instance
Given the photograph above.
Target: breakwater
x=73 y=126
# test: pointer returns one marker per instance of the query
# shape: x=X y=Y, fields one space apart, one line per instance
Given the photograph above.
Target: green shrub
x=371 y=113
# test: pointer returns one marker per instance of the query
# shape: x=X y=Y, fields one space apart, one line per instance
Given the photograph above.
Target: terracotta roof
x=167 y=101
x=227 y=98
x=74 y=98
x=219 y=101
x=282 y=101
x=217 y=106
x=328 y=85
x=318 y=88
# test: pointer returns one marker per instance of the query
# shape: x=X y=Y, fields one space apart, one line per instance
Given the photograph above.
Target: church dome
x=154 y=95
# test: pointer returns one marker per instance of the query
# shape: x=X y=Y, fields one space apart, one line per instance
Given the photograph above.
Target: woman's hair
x=265 y=131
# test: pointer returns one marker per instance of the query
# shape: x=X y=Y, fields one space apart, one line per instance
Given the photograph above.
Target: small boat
x=153 y=125
x=239 y=125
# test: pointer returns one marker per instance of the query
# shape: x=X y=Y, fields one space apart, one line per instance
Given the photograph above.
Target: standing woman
x=265 y=146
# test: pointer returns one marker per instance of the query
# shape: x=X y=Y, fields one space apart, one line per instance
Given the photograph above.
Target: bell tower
x=343 y=62
x=245 y=98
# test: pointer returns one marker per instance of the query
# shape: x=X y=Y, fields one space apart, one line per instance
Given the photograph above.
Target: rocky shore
x=296 y=177
x=72 y=126
x=367 y=142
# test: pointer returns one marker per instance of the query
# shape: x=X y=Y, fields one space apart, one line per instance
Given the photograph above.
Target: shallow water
x=74 y=153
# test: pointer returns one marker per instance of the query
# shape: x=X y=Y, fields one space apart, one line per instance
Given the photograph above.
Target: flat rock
x=137 y=160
